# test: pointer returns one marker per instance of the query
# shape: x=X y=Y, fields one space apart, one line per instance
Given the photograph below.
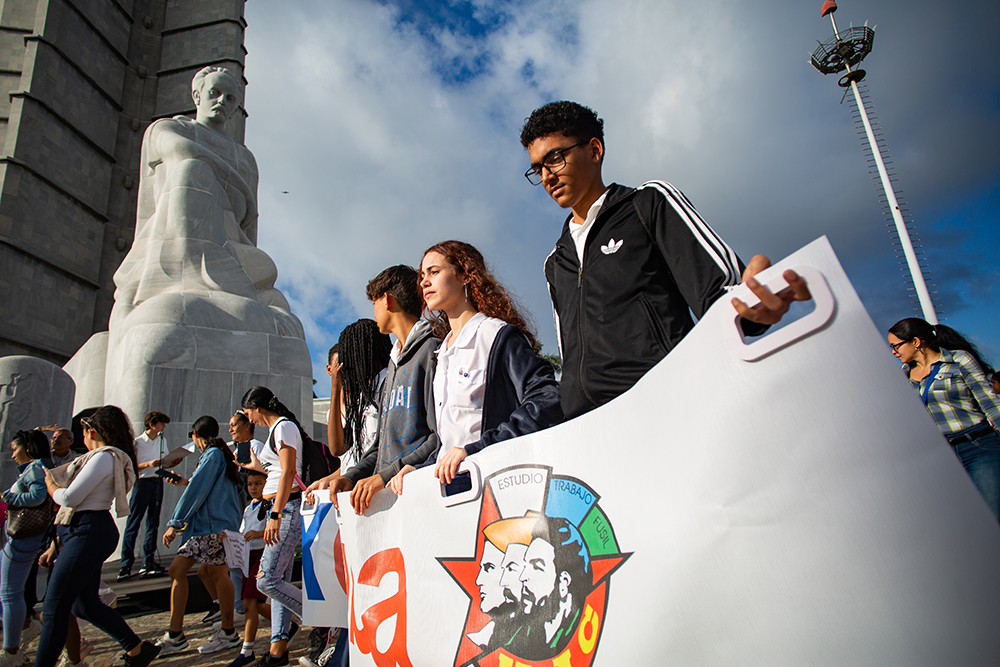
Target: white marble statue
x=196 y=228
x=197 y=319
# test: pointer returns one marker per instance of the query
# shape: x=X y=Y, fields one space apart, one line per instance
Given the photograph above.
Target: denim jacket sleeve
x=33 y=481
x=211 y=466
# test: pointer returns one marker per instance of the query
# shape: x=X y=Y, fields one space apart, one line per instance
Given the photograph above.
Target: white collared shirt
x=149 y=450
x=580 y=232
x=460 y=382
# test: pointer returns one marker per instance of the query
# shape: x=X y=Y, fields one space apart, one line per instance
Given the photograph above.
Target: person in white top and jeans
x=281 y=460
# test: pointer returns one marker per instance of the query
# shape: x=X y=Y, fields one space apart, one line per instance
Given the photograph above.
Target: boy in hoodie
x=406 y=420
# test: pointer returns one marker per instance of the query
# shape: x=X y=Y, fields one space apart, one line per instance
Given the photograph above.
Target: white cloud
x=382 y=158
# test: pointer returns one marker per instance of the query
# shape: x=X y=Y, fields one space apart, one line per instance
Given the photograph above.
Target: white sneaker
x=30 y=633
x=170 y=644
x=85 y=649
x=12 y=659
x=221 y=642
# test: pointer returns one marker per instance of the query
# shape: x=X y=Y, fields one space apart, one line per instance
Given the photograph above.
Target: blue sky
x=394 y=125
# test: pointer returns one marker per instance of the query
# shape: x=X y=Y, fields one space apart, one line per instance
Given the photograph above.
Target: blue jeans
x=16 y=559
x=86 y=543
x=275 y=576
x=236 y=576
x=981 y=459
x=146 y=499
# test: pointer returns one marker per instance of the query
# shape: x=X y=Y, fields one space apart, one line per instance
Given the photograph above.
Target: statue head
x=216 y=94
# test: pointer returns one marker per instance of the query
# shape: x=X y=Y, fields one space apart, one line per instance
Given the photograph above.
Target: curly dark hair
x=567 y=118
x=486 y=294
x=400 y=282
x=364 y=353
x=155 y=417
x=112 y=424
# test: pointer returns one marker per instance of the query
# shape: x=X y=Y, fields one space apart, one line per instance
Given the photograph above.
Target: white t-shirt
x=580 y=232
x=149 y=450
x=285 y=433
x=460 y=382
x=93 y=488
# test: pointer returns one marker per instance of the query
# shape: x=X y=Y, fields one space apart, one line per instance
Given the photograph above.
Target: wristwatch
x=276 y=516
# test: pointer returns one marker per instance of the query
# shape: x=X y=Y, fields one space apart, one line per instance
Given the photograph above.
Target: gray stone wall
x=80 y=80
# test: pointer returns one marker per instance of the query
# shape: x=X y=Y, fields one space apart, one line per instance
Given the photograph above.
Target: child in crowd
x=252 y=528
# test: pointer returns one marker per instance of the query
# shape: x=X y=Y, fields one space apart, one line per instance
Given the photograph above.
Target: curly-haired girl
x=487 y=360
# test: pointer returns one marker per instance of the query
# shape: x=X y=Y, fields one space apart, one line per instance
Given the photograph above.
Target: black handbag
x=30 y=521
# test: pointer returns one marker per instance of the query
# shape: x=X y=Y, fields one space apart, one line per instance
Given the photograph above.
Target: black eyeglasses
x=895 y=346
x=553 y=161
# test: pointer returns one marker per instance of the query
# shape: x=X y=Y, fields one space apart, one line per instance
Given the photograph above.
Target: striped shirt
x=960 y=394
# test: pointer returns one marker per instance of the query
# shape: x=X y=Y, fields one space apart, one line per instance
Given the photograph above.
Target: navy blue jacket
x=522 y=395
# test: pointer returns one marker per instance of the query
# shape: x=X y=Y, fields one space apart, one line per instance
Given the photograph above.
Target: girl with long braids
x=489 y=384
x=209 y=505
x=363 y=353
x=952 y=380
x=357 y=370
x=84 y=489
x=281 y=460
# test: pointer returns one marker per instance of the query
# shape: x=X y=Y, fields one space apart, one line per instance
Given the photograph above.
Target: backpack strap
x=270 y=437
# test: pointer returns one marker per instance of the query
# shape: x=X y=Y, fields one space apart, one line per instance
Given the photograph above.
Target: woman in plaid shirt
x=953 y=382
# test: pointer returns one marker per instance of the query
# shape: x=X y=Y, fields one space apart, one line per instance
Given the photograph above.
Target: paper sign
x=237 y=552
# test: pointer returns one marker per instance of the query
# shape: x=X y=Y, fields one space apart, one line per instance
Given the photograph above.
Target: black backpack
x=317 y=461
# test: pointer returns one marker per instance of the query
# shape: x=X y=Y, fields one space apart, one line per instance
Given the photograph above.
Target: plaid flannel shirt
x=960 y=395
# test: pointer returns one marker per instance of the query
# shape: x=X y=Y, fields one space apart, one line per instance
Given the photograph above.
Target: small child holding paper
x=252 y=529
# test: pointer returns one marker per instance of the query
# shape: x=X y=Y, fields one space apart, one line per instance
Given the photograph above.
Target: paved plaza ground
x=145 y=604
x=151 y=626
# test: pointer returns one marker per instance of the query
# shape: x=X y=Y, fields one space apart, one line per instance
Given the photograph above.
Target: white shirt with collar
x=149 y=450
x=580 y=232
x=460 y=382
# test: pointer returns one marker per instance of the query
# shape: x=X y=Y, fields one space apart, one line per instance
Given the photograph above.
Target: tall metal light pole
x=842 y=53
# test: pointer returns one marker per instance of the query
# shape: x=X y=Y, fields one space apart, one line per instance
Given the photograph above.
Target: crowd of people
x=447 y=367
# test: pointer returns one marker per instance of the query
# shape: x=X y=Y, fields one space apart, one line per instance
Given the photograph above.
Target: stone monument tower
x=80 y=82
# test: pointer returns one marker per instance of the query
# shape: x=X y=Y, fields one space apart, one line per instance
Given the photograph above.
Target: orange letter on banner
x=371 y=574
x=589 y=627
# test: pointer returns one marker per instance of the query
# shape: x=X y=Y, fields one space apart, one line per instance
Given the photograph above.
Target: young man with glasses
x=630 y=264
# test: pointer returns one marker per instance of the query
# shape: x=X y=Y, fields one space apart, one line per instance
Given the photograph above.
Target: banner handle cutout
x=774 y=340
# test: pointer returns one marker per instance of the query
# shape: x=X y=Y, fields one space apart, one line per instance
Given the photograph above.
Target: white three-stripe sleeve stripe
x=552 y=300
x=713 y=244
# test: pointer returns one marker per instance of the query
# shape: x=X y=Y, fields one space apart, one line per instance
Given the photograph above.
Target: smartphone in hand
x=168 y=475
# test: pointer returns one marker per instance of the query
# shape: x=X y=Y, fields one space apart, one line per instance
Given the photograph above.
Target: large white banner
x=740 y=505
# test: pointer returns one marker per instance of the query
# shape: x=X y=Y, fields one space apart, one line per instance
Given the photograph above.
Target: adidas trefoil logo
x=612 y=246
